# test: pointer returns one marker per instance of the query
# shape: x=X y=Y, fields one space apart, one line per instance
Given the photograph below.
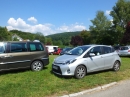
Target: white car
x=87 y=58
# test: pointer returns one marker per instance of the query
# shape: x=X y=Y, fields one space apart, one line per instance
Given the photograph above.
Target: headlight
x=69 y=62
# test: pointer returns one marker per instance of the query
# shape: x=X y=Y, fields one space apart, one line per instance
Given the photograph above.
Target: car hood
x=65 y=58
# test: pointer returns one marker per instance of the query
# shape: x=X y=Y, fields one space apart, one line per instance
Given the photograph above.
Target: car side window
x=96 y=50
x=18 y=47
x=36 y=47
x=107 y=50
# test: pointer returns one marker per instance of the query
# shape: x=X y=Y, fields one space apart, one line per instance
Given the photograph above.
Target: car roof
x=97 y=45
x=19 y=42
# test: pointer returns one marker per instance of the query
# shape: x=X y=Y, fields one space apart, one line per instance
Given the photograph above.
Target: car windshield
x=78 y=50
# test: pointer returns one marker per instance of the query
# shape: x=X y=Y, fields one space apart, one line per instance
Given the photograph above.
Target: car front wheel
x=116 y=66
x=80 y=72
x=37 y=66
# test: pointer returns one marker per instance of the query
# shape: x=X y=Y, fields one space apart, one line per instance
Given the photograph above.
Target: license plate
x=55 y=67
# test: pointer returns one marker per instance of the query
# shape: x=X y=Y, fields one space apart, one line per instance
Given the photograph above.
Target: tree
x=100 y=28
x=85 y=36
x=59 y=42
x=48 y=41
x=23 y=35
x=126 y=38
x=40 y=36
x=76 y=40
x=4 y=34
x=121 y=16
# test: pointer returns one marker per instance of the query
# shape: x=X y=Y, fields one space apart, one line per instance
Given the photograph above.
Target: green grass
x=25 y=83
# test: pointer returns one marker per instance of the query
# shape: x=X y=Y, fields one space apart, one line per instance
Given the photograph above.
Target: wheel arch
x=37 y=60
x=82 y=65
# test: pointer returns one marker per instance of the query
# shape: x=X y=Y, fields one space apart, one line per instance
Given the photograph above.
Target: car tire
x=36 y=65
x=80 y=72
x=116 y=66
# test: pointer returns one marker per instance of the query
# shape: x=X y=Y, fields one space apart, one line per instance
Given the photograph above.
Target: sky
x=51 y=16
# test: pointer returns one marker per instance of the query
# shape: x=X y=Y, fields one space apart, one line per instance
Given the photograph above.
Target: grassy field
x=25 y=83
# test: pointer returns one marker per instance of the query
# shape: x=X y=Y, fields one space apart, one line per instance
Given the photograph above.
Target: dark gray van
x=23 y=54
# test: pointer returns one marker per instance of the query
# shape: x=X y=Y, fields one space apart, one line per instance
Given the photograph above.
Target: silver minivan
x=85 y=59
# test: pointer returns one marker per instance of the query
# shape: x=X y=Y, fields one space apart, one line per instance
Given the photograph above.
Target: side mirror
x=91 y=54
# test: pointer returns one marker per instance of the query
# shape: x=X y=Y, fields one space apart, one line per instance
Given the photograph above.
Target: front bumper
x=64 y=70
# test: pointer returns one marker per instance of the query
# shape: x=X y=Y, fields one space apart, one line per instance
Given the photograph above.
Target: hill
x=64 y=37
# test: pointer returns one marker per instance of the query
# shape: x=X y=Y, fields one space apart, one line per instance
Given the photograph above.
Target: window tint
x=36 y=47
x=2 y=48
x=18 y=47
x=107 y=50
x=124 y=48
x=96 y=50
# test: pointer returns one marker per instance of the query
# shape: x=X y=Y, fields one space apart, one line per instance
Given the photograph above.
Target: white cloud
x=108 y=12
x=73 y=27
x=32 y=19
x=46 y=29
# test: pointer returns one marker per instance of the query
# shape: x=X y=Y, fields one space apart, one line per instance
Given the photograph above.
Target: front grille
x=58 y=70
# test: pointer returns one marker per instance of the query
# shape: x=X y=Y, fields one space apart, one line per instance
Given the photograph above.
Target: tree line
x=102 y=30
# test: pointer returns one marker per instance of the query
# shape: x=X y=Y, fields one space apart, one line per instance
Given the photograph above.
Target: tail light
x=128 y=50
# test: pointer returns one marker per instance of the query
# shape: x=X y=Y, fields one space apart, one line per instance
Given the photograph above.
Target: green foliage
x=48 y=41
x=86 y=36
x=39 y=36
x=100 y=30
x=65 y=37
x=23 y=35
x=28 y=35
x=121 y=16
x=4 y=34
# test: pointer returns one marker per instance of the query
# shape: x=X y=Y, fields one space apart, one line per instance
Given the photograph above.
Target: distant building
x=17 y=37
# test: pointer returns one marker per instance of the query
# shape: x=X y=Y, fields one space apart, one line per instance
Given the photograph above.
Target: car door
x=96 y=62
x=18 y=55
x=37 y=50
x=108 y=56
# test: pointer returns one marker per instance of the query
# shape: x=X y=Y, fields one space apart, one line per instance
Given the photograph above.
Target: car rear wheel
x=80 y=72
x=37 y=66
x=116 y=66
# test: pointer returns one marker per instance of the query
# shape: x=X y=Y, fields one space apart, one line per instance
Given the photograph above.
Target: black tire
x=116 y=66
x=80 y=72
x=37 y=65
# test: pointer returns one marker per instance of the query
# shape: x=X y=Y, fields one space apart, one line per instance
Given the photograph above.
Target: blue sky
x=51 y=16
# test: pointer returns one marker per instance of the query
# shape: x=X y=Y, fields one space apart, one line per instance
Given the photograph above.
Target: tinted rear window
x=107 y=50
x=36 y=47
x=124 y=48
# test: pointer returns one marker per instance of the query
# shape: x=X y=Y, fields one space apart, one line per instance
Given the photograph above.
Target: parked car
x=51 y=48
x=85 y=59
x=124 y=51
x=65 y=50
x=57 y=51
x=22 y=54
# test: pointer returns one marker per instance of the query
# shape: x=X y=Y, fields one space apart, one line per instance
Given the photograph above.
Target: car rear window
x=124 y=48
x=36 y=47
